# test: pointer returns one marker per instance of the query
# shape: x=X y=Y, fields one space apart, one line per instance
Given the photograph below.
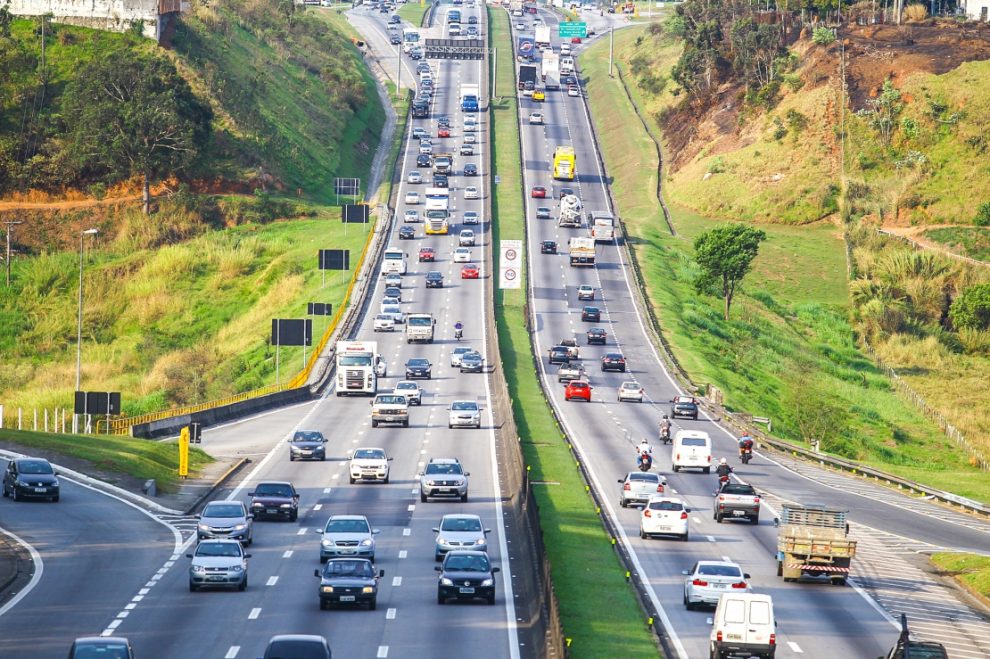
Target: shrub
x=796 y=121
x=974 y=341
x=823 y=36
x=982 y=218
x=779 y=131
x=916 y=12
x=909 y=128
x=972 y=309
x=716 y=165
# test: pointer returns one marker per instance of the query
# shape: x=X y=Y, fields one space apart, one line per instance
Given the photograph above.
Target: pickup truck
x=570 y=371
x=737 y=501
x=389 y=408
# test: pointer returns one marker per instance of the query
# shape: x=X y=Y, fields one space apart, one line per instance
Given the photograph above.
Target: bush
x=975 y=342
x=823 y=36
x=717 y=165
x=971 y=310
x=916 y=12
x=779 y=131
x=982 y=218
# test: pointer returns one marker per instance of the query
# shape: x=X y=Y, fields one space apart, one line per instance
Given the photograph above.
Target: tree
x=972 y=309
x=882 y=112
x=725 y=255
x=135 y=116
x=815 y=414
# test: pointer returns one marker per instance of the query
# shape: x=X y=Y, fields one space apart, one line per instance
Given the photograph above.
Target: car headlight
x=480 y=541
x=326 y=589
x=286 y=505
x=198 y=569
x=20 y=483
x=204 y=527
x=368 y=589
x=431 y=483
x=257 y=504
x=327 y=543
x=54 y=483
x=441 y=540
x=239 y=527
x=236 y=568
x=487 y=582
x=446 y=582
x=367 y=542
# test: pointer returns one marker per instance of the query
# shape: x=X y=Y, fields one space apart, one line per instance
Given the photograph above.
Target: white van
x=394 y=260
x=743 y=626
x=692 y=449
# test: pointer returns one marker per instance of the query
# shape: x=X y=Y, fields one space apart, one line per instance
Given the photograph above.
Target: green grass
x=137 y=458
x=413 y=11
x=583 y=561
x=789 y=330
x=973 y=242
x=971 y=570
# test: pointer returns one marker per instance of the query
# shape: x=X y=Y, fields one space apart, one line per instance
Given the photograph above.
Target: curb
x=20 y=562
x=217 y=484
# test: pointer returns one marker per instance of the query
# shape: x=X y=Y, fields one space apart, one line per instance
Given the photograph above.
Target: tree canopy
x=725 y=254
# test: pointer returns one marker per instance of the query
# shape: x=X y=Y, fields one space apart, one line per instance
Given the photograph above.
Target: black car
x=348 y=581
x=466 y=574
x=565 y=191
x=443 y=120
x=591 y=314
x=111 y=647
x=298 y=646
x=543 y=213
x=596 y=335
x=472 y=362
x=613 y=361
x=406 y=233
x=472 y=20
x=440 y=181
x=686 y=406
x=394 y=19
x=422 y=66
x=470 y=169
x=548 y=247
x=560 y=355
x=30 y=478
x=424 y=160
x=308 y=445
x=419 y=368
x=275 y=499
x=395 y=39
x=434 y=279
x=569 y=80
x=393 y=291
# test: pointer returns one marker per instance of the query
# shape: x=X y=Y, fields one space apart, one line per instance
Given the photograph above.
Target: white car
x=586 y=292
x=470 y=120
x=414 y=177
x=412 y=198
x=425 y=148
x=411 y=215
x=471 y=217
x=573 y=91
x=536 y=118
x=457 y=353
x=462 y=255
x=464 y=413
x=394 y=311
x=520 y=26
x=470 y=128
x=663 y=515
x=470 y=138
x=707 y=580
x=384 y=323
x=419 y=133
x=393 y=279
x=471 y=192
x=368 y=464
x=466 y=238
x=630 y=391
x=389 y=301
x=411 y=390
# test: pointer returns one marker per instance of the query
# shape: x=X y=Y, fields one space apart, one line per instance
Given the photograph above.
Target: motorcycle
x=458 y=333
x=645 y=462
x=665 y=435
x=746 y=452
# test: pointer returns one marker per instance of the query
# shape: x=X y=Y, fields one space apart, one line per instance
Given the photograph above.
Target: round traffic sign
x=510 y=255
x=510 y=274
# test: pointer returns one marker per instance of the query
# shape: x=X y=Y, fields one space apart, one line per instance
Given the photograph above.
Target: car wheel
x=718 y=518
x=374 y=424
x=405 y=424
x=491 y=599
x=4 y=492
x=243 y=585
x=755 y=519
x=622 y=503
x=54 y=499
x=193 y=587
x=642 y=533
x=464 y=498
x=250 y=541
x=422 y=498
x=323 y=559
x=684 y=538
x=291 y=458
x=449 y=426
x=14 y=495
x=440 y=599
x=386 y=480
x=438 y=557
x=323 y=458
x=676 y=469
x=373 y=604
x=323 y=605
x=351 y=479
x=294 y=515
x=706 y=470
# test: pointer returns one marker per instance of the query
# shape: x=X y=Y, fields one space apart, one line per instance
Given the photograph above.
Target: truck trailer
x=812 y=541
x=581 y=251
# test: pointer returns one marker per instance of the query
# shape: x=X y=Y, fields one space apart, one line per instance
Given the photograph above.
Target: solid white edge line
x=39 y=569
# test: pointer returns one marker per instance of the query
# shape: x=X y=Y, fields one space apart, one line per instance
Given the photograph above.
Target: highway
x=815 y=619
x=113 y=571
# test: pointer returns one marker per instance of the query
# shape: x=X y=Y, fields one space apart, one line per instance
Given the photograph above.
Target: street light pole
x=82 y=237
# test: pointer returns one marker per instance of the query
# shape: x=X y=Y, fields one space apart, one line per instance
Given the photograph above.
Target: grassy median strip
x=414 y=12
x=598 y=609
x=137 y=458
x=972 y=571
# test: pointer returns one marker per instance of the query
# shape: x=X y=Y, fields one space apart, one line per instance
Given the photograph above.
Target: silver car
x=443 y=477
x=460 y=532
x=457 y=353
x=218 y=563
x=225 y=519
x=464 y=413
x=639 y=486
x=708 y=580
x=347 y=535
x=411 y=390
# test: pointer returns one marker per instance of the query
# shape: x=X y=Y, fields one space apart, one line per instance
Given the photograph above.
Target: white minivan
x=743 y=626
x=692 y=449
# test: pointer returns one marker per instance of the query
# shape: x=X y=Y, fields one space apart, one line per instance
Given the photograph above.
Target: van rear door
x=760 y=627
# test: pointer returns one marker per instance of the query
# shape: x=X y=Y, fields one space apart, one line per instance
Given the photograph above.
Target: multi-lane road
x=105 y=566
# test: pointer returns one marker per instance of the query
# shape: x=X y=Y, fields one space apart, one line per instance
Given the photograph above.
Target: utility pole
x=10 y=224
x=398 y=75
x=611 y=44
x=494 y=74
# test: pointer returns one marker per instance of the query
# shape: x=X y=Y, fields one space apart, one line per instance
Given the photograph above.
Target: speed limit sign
x=510 y=263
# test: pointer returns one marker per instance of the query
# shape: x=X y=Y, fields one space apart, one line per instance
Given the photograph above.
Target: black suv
x=470 y=169
x=548 y=247
x=275 y=499
x=440 y=181
x=591 y=314
x=419 y=368
x=424 y=160
x=434 y=279
x=348 y=581
x=308 y=445
x=30 y=478
x=684 y=406
x=470 y=575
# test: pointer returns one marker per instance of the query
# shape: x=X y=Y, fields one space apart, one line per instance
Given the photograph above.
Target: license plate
x=664 y=528
x=215 y=578
x=270 y=511
x=738 y=513
x=466 y=591
x=346 y=598
x=734 y=637
x=719 y=585
x=446 y=489
x=348 y=551
x=40 y=489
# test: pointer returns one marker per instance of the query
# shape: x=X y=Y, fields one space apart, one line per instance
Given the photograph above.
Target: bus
x=410 y=39
x=564 y=165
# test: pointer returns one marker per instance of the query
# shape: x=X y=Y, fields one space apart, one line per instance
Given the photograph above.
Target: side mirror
x=188 y=555
x=686 y=573
x=375 y=531
x=247 y=555
x=436 y=529
x=438 y=568
x=420 y=474
x=746 y=575
x=711 y=621
x=316 y=573
x=199 y=516
x=320 y=531
x=776 y=522
x=250 y=494
x=620 y=480
x=687 y=510
x=496 y=569
x=488 y=530
x=250 y=516
x=390 y=459
x=467 y=473
x=371 y=402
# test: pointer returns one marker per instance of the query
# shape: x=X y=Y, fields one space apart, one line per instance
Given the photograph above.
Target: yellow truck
x=812 y=540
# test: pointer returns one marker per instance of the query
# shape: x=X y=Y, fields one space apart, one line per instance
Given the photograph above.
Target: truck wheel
x=405 y=424
x=840 y=581
x=755 y=519
x=706 y=470
x=780 y=569
x=386 y=480
x=374 y=424
x=676 y=469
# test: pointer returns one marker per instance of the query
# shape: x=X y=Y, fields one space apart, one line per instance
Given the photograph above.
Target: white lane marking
x=390 y=614
x=317 y=507
x=114 y=624
x=726 y=559
x=254 y=613
x=795 y=648
x=130 y=606
x=271 y=581
x=406 y=531
x=39 y=569
x=287 y=553
x=123 y=614
x=327 y=490
x=710 y=538
x=396 y=581
x=382 y=651
x=411 y=507
x=303 y=531
x=232 y=652
x=403 y=553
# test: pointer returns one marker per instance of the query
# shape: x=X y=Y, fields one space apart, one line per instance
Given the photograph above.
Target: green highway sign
x=568 y=30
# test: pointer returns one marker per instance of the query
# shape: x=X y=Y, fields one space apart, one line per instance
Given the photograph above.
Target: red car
x=443 y=131
x=538 y=192
x=575 y=39
x=427 y=254
x=470 y=271
x=578 y=389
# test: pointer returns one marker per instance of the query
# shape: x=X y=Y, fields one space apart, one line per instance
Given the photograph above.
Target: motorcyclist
x=644 y=447
x=723 y=470
x=458 y=330
x=665 y=428
x=745 y=443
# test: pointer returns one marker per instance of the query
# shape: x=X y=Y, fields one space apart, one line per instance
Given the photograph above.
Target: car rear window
x=666 y=505
x=720 y=570
x=735 y=611
x=694 y=441
x=644 y=477
x=759 y=613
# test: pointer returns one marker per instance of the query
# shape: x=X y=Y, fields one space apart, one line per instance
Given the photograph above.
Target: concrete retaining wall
x=111 y=15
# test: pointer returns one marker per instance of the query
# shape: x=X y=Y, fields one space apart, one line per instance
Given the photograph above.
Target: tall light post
x=82 y=237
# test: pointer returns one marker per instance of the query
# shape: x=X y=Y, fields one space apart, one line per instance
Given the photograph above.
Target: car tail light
x=660 y=488
x=709 y=458
x=721 y=498
x=678 y=456
x=626 y=487
x=739 y=584
x=699 y=582
x=773 y=639
x=646 y=512
x=684 y=515
x=718 y=636
x=756 y=499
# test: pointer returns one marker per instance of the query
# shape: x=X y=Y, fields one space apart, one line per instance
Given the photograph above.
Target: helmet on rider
x=665 y=416
x=722 y=461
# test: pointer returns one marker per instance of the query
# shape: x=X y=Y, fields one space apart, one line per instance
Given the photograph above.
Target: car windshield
x=720 y=570
x=383 y=317
x=223 y=510
x=418 y=362
x=273 y=490
x=390 y=400
x=443 y=468
x=419 y=321
x=693 y=441
x=34 y=467
x=218 y=549
x=307 y=436
x=467 y=563
x=471 y=356
x=666 y=505
x=355 y=360
x=348 y=569
x=347 y=526
x=369 y=454
x=407 y=385
x=464 y=405
x=460 y=524
x=101 y=650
